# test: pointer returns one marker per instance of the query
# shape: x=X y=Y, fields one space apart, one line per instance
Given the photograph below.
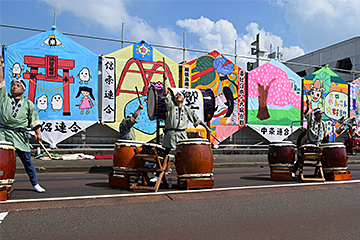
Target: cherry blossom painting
x=274 y=99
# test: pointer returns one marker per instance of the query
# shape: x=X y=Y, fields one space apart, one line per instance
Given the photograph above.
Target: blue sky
x=295 y=26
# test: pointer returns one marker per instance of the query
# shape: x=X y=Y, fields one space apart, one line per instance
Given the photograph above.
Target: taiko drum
x=124 y=155
x=281 y=153
x=333 y=157
x=194 y=158
x=7 y=163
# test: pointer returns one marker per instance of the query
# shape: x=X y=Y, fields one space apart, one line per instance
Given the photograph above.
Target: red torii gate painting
x=146 y=74
x=51 y=64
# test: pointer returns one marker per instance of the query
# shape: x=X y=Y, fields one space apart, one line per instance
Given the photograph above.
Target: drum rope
x=6 y=182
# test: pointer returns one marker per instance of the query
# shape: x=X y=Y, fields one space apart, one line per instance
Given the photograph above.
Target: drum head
x=129 y=142
x=194 y=141
x=332 y=145
x=3 y=143
x=153 y=145
x=151 y=103
x=309 y=146
x=209 y=104
x=282 y=144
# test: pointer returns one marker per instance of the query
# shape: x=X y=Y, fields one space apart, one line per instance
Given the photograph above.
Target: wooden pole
x=42 y=145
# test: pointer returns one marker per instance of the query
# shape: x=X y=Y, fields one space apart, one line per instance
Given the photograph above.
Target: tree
x=272 y=87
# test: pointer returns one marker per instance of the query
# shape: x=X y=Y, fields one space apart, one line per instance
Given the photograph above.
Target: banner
x=326 y=90
x=274 y=100
x=228 y=83
x=108 y=90
x=139 y=65
x=61 y=78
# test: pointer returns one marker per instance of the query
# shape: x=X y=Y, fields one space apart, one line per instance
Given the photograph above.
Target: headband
x=181 y=93
x=19 y=81
x=317 y=110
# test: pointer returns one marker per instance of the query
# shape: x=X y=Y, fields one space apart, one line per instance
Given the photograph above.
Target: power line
x=173 y=47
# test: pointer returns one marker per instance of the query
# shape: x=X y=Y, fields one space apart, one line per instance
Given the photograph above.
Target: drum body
x=124 y=155
x=209 y=104
x=148 y=148
x=194 y=158
x=7 y=164
x=334 y=157
x=281 y=153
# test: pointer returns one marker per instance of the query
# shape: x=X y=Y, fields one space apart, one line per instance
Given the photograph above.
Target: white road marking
x=2 y=216
x=177 y=192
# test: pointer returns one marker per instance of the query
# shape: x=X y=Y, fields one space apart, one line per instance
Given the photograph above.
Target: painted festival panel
x=274 y=100
x=228 y=84
x=326 y=90
x=140 y=65
x=61 y=78
x=354 y=99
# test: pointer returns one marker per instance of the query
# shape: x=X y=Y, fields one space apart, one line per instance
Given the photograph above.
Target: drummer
x=16 y=115
x=316 y=130
x=177 y=119
x=126 y=126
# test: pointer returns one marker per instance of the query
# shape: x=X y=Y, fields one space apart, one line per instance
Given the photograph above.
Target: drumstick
x=164 y=66
x=42 y=145
x=214 y=137
x=138 y=94
x=209 y=130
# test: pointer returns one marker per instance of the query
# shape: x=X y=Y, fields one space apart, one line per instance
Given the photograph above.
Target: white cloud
x=110 y=14
x=322 y=22
x=221 y=36
x=104 y=12
x=211 y=35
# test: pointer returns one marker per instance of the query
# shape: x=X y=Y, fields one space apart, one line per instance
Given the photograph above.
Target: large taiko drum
x=334 y=157
x=209 y=104
x=194 y=158
x=7 y=164
x=281 y=153
x=124 y=155
x=156 y=104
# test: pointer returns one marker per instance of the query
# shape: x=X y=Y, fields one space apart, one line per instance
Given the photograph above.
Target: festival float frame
x=61 y=78
x=274 y=101
x=228 y=83
x=326 y=90
x=139 y=65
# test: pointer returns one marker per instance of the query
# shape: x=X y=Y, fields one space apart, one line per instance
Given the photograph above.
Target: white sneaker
x=293 y=174
x=38 y=188
x=154 y=179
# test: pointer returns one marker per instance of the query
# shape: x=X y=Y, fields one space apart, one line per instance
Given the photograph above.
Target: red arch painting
x=146 y=74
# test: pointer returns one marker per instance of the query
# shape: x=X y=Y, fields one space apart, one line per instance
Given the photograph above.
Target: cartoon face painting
x=321 y=85
x=84 y=75
x=316 y=90
x=42 y=103
x=57 y=102
x=85 y=102
x=16 y=70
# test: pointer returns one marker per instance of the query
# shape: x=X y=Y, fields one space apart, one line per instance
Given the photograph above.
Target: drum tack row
x=134 y=160
x=328 y=160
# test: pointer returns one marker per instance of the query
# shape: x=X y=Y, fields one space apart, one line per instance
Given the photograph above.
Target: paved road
x=82 y=184
x=287 y=210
